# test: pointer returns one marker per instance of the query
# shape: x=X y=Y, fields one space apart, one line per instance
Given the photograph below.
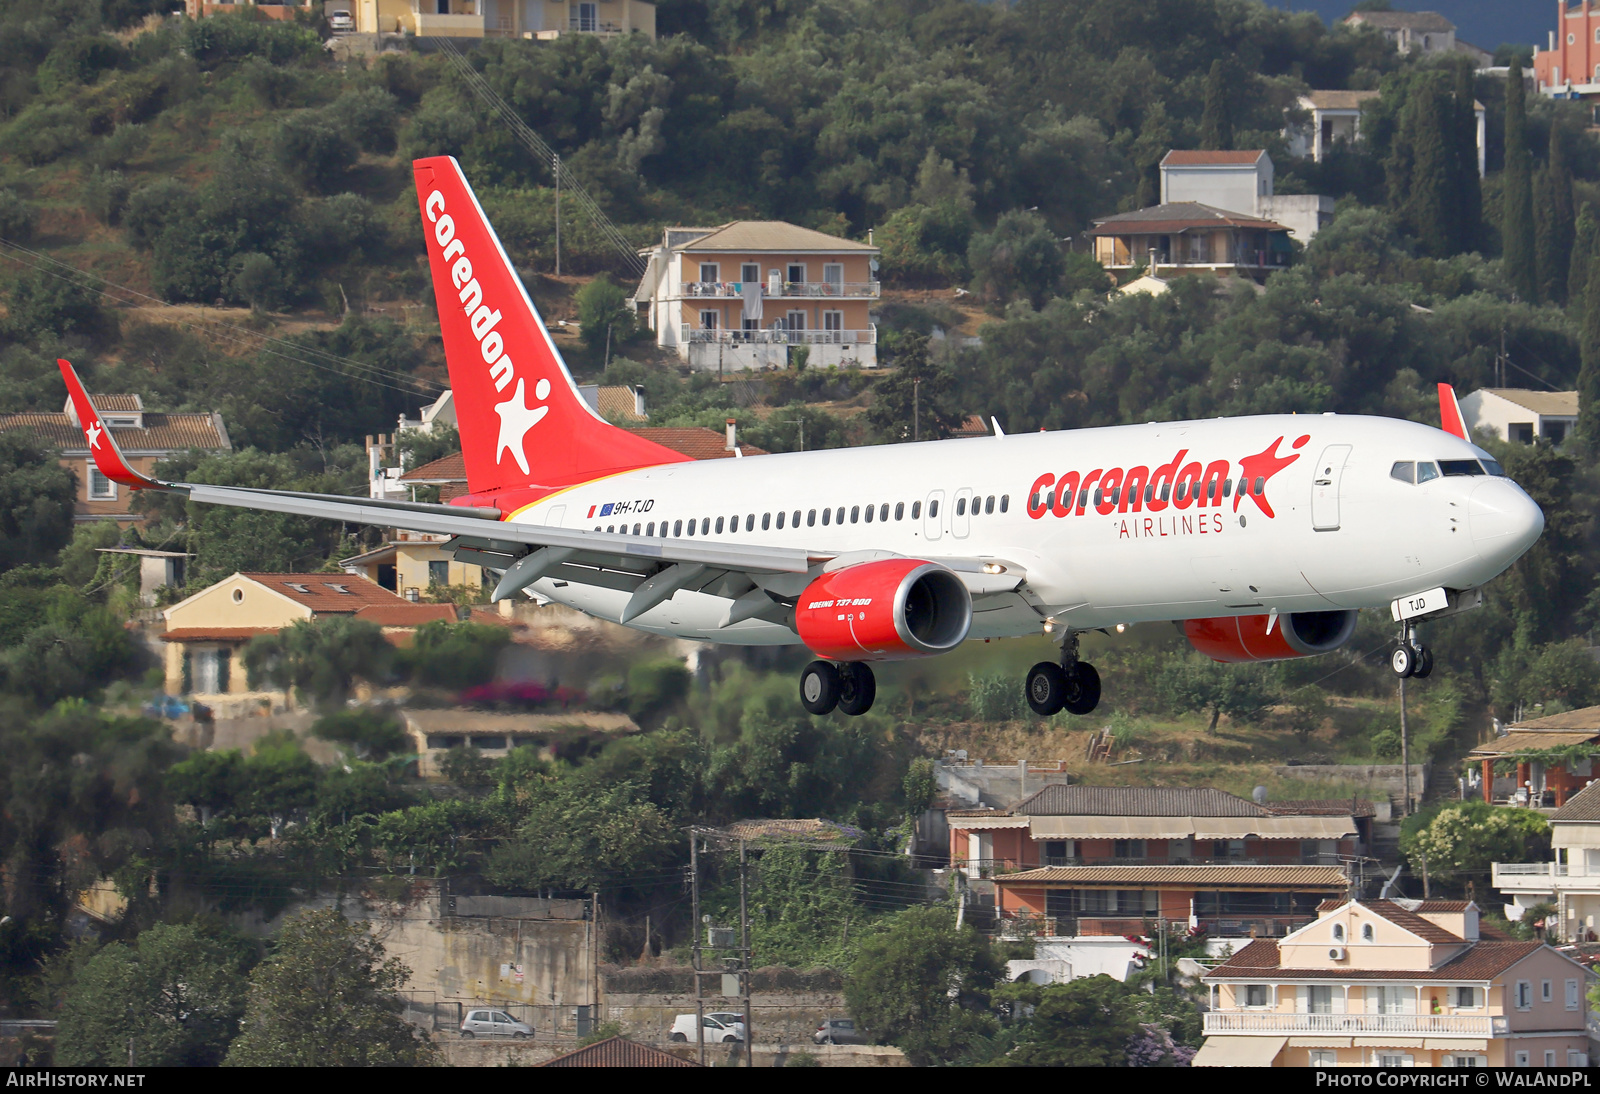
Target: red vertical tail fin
x=522 y=420
x=1450 y=419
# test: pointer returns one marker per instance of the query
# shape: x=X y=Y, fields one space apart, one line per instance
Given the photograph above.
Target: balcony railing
x=1162 y=260
x=1240 y=860
x=785 y=289
x=1432 y=1025
x=989 y=867
x=768 y=337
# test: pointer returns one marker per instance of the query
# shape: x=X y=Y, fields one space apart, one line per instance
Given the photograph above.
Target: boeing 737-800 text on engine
x=1263 y=536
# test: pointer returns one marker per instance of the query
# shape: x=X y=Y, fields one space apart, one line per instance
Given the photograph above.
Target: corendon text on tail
x=1262 y=536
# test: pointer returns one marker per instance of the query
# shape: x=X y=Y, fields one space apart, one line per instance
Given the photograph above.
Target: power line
x=543 y=152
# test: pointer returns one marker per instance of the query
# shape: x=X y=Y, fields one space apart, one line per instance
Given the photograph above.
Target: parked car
x=716 y=1029
x=493 y=1023
x=340 y=21
x=838 y=1031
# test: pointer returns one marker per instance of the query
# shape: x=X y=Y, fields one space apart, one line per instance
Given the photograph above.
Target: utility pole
x=556 y=161
x=744 y=955
x=801 y=422
x=694 y=884
x=916 y=410
x=1405 y=755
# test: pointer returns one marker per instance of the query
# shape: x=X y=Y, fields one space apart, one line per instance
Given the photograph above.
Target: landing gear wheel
x=1403 y=660
x=819 y=687
x=857 y=688
x=1046 y=688
x=1424 y=664
x=1083 y=698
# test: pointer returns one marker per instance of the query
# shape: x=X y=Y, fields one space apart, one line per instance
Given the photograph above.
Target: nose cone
x=1504 y=521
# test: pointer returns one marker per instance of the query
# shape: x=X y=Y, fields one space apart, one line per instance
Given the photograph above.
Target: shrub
x=995 y=698
x=16 y=217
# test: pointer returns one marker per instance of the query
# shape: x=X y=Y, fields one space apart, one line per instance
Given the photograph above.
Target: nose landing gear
x=1073 y=685
x=847 y=685
x=1411 y=658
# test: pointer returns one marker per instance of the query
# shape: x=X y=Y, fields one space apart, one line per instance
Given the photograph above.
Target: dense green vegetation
x=234 y=167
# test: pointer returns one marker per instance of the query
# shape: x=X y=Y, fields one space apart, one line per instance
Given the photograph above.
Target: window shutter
x=1408 y=1001
x=1302 y=1000
x=1572 y=995
x=1338 y=1001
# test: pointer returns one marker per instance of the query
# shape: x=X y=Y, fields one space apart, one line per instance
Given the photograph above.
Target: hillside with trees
x=219 y=215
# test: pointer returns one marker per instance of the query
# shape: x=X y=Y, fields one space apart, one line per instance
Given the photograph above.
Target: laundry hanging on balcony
x=752 y=300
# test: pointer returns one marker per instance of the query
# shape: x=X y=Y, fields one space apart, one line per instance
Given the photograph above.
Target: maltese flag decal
x=522 y=421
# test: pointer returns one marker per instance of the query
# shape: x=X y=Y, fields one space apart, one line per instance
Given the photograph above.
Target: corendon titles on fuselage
x=1180 y=483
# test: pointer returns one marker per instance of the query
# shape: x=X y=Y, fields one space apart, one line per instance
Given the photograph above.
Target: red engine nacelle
x=884 y=611
x=1245 y=637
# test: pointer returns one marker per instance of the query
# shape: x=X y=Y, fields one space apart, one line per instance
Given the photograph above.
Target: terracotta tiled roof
x=329 y=594
x=1201 y=158
x=1222 y=877
x=619 y=1052
x=619 y=404
x=1430 y=22
x=1136 y=801
x=979 y=813
x=1321 y=807
x=1177 y=217
x=451 y=468
x=697 y=443
x=1340 y=100
x=1484 y=961
x=161 y=432
x=111 y=403
x=1556 y=404
x=406 y=614
x=1425 y=929
x=215 y=634
x=1582 y=806
x=1519 y=740
x=1582 y=720
x=972 y=425
x=1423 y=906
x=821 y=831
x=773 y=235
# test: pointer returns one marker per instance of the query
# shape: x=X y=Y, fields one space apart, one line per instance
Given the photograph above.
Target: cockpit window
x=1426 y=471
x=1494 y=468
x=1404 y=470
x=1460 y=467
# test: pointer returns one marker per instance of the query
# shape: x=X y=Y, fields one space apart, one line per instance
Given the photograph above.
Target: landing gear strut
x=848 y=685
x=1073 y=685
x=1411 y=657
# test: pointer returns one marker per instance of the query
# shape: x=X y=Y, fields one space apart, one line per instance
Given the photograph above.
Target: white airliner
x=1263 y=536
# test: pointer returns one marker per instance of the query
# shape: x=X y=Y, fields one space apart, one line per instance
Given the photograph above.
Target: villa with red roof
x=1396 y=983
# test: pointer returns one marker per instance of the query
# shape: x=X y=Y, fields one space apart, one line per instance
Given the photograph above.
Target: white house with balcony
x=1241 y=182
x=1396 y=983
x=1570 y=881
x=539 y=19
x=760 y=294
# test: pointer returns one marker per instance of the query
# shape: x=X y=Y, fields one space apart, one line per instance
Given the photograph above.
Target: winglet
x=108 y=458
x=1450 y=419
x=998 y=432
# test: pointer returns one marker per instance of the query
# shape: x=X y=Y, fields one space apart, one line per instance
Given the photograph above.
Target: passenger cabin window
x=855 y=513
x=650 y=529
x=899 y=510
x=677 y=527
x=883 y=511
x=827 y=517
x=838 y=515
x=811 y=518
x=916 y=510
x=869 y=514
x=1460 y=467
x=1005 y=502
x=933 y=508
x=796 y=520
x=961 y=507
x=691 y=527
x=988 y=505
x=750 y=523
x=766 y=521
x=719 y=526
x=780 y=521
x=1404 y=471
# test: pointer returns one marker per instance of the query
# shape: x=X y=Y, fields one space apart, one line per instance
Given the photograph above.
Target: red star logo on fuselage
x=1263 y=465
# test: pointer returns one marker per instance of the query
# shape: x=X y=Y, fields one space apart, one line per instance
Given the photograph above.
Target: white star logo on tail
x=516 y=418
x=93 y=433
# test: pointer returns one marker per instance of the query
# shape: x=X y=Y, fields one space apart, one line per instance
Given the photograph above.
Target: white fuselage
x=1343 y=532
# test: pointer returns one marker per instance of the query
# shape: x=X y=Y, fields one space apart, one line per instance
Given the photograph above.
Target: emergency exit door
x=1325 y=487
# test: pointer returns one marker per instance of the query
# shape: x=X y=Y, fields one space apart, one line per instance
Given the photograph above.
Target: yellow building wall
x=411 y=569
x=383 y=16
x=255 y=606
x=1392 y=947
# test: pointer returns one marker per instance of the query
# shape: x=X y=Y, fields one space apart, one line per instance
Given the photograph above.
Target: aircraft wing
x=761 y=582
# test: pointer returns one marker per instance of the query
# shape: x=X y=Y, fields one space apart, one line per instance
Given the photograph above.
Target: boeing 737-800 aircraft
x=1263 y=536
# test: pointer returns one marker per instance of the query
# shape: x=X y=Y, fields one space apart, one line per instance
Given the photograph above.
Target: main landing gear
x=848 y=685
x=1411 y=657
x=1073 y=685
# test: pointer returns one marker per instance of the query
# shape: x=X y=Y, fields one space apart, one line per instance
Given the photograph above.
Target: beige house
x=744 y=295
x=1517 y=414
x=1187 y=237
x=145 y=437
x=412 y=562
x=1396 y=983
x=206 y=633
x=435 y=732
x=540 y=19
x=1571 y=881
